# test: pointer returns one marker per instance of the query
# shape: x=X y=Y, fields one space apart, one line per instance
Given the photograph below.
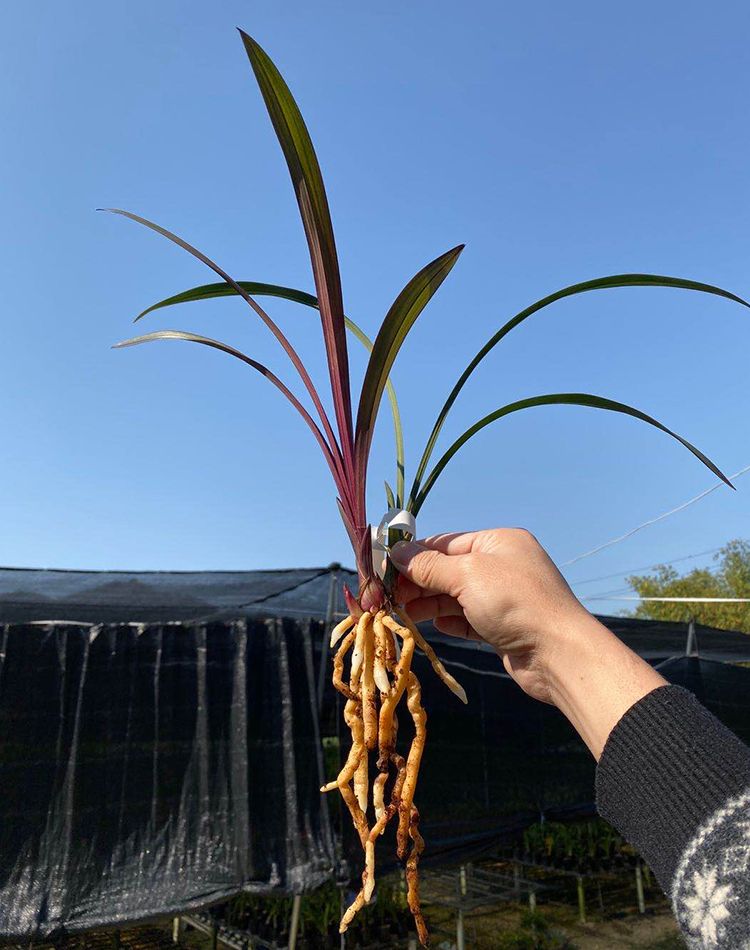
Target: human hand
x=501 y=587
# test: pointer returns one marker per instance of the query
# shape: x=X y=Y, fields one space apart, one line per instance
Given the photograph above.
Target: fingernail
x=404 y=551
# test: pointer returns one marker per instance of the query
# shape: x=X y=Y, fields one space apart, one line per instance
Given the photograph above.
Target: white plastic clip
x=395 y=519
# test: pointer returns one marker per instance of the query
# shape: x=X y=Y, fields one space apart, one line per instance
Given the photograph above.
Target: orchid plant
x=380 y=672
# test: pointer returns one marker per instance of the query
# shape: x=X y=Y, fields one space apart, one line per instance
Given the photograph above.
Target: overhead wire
x=645 y=567
x=677 y=600
x=652 y=521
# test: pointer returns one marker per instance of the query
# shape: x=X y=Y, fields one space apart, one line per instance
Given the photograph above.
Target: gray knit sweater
x=676 y=783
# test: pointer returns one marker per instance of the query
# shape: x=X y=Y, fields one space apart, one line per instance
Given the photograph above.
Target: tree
x=731 y=578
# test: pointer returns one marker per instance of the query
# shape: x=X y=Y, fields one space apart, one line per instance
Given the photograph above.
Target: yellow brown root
x=413 y=761
x=356 y=754
x=380 y=672
x=361 y=781
x=369 y=698
x=338 y=668
x=368 y=879
x=412 y=877
x=355 y=906
x=450 y=681
x=379 y=675
x=340 y=629
x=358 y=654
x=393 y=697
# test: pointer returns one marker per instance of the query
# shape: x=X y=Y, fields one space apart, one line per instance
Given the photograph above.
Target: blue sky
x=559 y=141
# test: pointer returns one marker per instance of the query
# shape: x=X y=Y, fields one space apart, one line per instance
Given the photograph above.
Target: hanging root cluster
x=381 y=651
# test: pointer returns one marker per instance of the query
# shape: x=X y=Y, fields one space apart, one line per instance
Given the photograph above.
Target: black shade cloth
x=164 y=596
x=146 y=771
x=152 y=763
x=27 y=596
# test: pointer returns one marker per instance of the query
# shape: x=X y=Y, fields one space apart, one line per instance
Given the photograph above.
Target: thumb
x=427 y=567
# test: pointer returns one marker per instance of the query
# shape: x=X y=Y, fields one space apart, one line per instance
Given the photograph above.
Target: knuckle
x=523 y=536
x=427 y=566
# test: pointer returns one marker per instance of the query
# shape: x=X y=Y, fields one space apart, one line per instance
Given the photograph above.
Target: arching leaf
x=259 y=367
x=304 y=169
x=600 y=283
x=398 y=321
x=258 y=289
x=554 y=399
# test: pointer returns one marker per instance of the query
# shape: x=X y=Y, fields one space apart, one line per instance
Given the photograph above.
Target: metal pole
x=639 y=888
x=581 y=901
x=332 y=597
x=460 y=939
x=294 y=926
x=460 y=943
x=176 y=928
x=691 y=645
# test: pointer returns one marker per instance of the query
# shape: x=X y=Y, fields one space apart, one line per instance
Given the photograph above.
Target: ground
x=613 y=924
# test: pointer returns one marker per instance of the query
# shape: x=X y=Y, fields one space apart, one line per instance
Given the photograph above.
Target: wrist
x=593 y=678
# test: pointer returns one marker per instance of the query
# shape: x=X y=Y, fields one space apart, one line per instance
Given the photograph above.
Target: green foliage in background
x=586 y=839
x=730 y=578
x=534 y=933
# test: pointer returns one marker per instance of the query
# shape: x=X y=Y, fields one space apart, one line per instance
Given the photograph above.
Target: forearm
x=594 y=679
x=671 y=778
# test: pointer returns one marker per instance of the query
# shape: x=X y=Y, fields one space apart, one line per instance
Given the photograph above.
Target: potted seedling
x=377 y=639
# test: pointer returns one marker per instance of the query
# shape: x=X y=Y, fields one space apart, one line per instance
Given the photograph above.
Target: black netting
x=154 y=767
x=148 y=770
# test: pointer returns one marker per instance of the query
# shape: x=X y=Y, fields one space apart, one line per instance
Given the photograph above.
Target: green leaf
x=554 y=399
x=398 y=321
x=254 y=288
x=287 y=346
x=389 y=497
x=304 y=169
x=257 y=289
x=263 y=370
x=600 y=283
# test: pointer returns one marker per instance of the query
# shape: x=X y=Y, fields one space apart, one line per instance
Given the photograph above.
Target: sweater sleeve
x=676 y=783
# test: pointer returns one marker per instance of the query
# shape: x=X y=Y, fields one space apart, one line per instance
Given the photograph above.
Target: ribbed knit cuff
x=667 y=766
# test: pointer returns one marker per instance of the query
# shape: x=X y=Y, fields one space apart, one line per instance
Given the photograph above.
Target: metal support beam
x=294 y=926
x=460 y=937
x=581 y=902
x=460 y=940
x=330 y=617
x=691 y=646
x=639 y=888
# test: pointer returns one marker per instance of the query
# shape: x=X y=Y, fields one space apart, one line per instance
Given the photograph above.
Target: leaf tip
x=250 y=44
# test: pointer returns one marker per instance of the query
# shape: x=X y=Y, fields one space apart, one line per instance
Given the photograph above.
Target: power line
x=604 y=594
x=645 y=567
x=679 y=600
x=652 y=521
